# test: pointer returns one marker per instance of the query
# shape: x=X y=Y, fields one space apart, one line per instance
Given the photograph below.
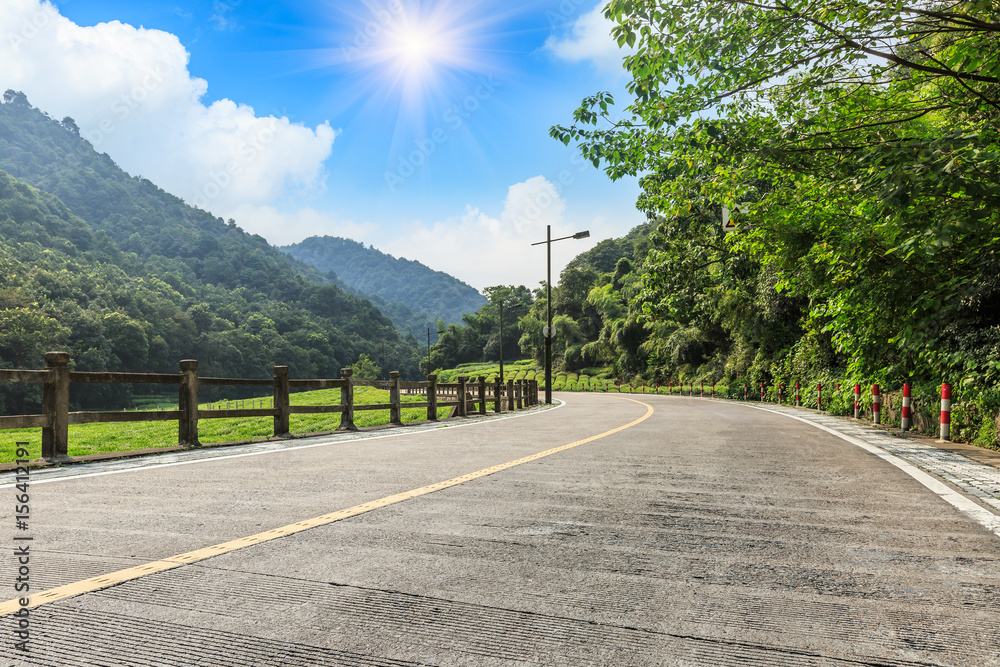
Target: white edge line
x=223 y=457
x=987 y=519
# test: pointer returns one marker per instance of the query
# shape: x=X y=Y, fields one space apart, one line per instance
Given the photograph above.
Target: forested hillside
x=136 y=214
x=185 y=285
x=429 y=294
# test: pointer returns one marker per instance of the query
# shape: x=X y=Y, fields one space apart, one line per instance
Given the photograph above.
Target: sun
x=418 y=48
x=414 y=58
x=415 y=47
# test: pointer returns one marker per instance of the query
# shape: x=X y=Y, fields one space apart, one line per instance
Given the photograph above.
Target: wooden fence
x=56 y=417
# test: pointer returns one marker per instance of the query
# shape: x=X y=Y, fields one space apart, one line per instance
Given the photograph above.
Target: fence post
x=395 y=412
x=463 y=396
x=497 y=395
x=347 y=401
x=482 y=394
x=519 y=393
x=904 y=422
x=510 y=395
x=857 y=401
x=282 y=407
x=432 y=399
x=945 y=411
x=876 y=405
x=187 y=403
x=55 y=406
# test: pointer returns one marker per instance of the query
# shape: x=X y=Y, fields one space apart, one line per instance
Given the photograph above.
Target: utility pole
x=429 y=369
x=500 y=305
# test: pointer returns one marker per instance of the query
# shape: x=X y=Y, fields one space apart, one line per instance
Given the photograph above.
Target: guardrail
x=465 y=397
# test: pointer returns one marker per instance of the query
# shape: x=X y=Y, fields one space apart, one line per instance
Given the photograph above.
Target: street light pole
x=548 y=315
x=548 y=303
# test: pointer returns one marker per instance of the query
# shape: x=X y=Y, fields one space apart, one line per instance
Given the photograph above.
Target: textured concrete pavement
x=708 y=534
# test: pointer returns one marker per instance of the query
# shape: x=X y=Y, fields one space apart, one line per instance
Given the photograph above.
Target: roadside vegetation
x=856 y=147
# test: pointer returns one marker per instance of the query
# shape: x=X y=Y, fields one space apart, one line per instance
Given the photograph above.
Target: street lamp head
x=582 y=235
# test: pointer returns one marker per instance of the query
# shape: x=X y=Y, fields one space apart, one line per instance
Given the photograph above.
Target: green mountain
x=136 y=214
x=424 y=292
x=127 y=277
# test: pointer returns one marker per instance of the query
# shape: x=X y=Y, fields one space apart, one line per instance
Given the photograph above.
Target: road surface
x=663 y=531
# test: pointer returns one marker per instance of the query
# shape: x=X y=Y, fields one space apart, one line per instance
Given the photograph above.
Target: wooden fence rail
x=466 y=397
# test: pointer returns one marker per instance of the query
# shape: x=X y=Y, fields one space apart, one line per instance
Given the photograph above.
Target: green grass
x=87 y=439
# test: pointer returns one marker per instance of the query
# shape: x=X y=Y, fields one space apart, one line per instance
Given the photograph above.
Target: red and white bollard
x=798 y=396
x=761 y=392
x=905 y=421
x=876 y=405
x=857 y=401
x=779 y=393
x=945 y=411
x=819 y=396
x=746 y=387
x=713 y=389
x=702 y=389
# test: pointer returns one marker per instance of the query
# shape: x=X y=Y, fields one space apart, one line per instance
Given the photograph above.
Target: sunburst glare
x=417 y=50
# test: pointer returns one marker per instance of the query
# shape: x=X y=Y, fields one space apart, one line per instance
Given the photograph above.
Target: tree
x=71 y=125
x=365 y=369
x=861 y=140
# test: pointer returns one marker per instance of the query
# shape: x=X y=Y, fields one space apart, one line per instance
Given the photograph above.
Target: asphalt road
x=707 y=534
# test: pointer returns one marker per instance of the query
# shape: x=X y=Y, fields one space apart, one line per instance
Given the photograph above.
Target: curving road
x=691 y=532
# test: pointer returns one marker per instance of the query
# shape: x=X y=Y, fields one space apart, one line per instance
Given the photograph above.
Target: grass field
x=87 y=439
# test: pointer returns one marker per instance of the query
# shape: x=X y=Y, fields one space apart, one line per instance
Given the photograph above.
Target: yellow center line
x=129 y=574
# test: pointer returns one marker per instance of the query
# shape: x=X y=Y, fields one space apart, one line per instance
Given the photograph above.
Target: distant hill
x=604 y=256
x=396 y=280
x=186 y=284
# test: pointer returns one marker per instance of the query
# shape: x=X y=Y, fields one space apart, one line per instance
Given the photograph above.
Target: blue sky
x=418 y=127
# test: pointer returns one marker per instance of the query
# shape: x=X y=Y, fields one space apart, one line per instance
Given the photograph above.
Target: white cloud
x=131 y=94
x=483 y=250
x=286 y=228
x=590 y=39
